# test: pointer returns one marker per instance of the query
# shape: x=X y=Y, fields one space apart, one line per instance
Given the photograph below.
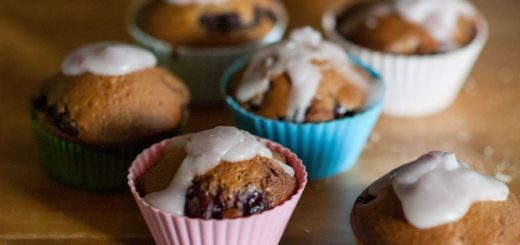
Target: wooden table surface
x=483 y=127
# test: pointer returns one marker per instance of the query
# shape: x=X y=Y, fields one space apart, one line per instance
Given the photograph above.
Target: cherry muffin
x=191 y=36
x=309 y=95
x=208 y=23
x=215 y=186
x=240 y=178
x=436 y=200
x=108 y=97
x=409 y=27
x=423 y=49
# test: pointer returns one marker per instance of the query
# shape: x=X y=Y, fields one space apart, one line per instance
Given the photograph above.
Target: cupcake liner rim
x=137 y=33
x=270 y=144
x=80 y=166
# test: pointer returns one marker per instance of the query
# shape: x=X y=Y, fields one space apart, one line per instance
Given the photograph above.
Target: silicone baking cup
x=264 y=228
x=82 y=166
x=201 y=67
x=326 y=148
x=416 y=85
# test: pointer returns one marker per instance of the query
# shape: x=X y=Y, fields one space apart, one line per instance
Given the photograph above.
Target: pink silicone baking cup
x=263 y=229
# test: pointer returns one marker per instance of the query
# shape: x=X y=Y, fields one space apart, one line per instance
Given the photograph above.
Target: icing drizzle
x=107 y=59
x=436 y=189
x=297 y=58
x=204 y=151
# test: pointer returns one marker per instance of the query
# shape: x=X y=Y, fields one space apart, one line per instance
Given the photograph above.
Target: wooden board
x=483 y=127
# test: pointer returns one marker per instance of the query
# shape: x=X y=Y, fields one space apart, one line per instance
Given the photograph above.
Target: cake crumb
x=463 y=136
x=488 y=151
x=471 y=86
x=503 y=177
x=375 y=137
x=506 y=171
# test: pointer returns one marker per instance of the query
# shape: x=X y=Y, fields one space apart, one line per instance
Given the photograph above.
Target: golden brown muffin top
x=228 y=183
x=219 y=24
x=380 y=220
x=335 y=91
x=391 y=33
x=113 y=110
x=303 y=79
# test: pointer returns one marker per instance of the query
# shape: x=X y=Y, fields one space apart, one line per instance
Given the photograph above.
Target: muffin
x=436 y=200
x=108 y=97
x=423 y=49
x=304 y=79
x=213 y=186
x=305 y=92
x=227 y=182
x=208 y=23
x=409 y=27
x=194 y=36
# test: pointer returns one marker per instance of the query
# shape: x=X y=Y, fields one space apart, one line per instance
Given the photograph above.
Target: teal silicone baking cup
x=201 y=67
x=326 y=148
x=81 y=166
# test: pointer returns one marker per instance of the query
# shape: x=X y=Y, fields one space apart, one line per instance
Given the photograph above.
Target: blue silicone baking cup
x=326 y=148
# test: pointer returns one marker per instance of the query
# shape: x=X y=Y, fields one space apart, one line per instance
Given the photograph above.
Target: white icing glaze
x=188 y=2
x=438 y=17
x=436 y=189
x=295 y=58
x=107 y=59
x=204 y=151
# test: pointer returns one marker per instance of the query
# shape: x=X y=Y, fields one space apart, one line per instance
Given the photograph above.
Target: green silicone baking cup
x=82 y=166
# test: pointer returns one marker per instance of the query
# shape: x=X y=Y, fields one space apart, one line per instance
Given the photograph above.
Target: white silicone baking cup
x=416 y=85
x=202 y=67
x=265 y=228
